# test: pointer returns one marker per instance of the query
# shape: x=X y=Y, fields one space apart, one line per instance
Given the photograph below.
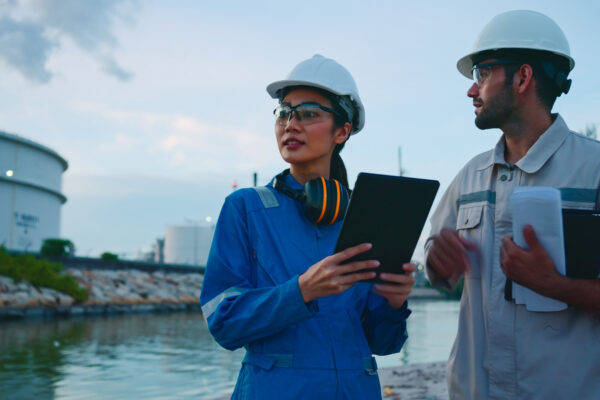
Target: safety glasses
x=306 y=113
x=482 y=71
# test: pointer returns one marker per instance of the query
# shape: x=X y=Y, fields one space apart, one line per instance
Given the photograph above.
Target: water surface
x=159 y=356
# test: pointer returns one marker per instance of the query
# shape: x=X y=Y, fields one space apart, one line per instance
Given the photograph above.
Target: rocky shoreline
x=110 y=292
x=117 y=291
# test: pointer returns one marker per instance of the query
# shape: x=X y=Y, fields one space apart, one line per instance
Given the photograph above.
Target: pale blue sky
x=159 y=105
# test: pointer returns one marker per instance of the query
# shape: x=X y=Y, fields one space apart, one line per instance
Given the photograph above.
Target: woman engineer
x=310 y=327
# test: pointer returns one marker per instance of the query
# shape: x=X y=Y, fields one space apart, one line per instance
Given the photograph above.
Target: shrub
x=106 y=256
x=57 y=248
x=40 y=272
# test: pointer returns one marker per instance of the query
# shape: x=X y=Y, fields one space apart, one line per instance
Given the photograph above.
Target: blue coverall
x=250 y=297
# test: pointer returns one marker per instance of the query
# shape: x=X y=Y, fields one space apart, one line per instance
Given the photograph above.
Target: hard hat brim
x=465 y=64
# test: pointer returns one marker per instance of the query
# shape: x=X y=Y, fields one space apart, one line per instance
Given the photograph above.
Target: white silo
x=30 y=193
x=188 y=244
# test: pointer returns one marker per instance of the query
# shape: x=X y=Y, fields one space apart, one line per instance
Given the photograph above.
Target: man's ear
x=523 y=79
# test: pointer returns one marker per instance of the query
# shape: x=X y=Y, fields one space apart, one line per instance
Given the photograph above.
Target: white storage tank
x=30 y=193
x=188 y=244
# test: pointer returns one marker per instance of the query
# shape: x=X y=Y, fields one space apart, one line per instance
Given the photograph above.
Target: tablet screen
x=389 y=212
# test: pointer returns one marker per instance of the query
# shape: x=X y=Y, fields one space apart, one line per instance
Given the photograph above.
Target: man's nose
x=473 y=90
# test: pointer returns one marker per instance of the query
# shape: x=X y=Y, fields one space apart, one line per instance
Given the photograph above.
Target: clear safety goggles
x=306 y=113
x=482 y=71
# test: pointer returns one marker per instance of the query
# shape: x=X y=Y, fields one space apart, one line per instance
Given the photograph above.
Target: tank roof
x=35 y=145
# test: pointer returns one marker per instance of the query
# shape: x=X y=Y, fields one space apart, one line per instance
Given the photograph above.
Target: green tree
x=590 y=131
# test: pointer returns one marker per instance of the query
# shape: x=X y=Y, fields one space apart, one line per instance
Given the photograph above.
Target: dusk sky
x=159 y=106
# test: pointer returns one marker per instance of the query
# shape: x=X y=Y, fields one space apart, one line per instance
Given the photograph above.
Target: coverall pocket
x=469 y=217
x=262 y=361
x=468 y=226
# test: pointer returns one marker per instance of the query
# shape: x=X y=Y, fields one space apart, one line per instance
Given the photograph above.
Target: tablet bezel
x=385 y=205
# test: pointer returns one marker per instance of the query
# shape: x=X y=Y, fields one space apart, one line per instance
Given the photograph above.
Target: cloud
x=31 y=29
x=112 y=68
x=179 y=143
x=24 y=47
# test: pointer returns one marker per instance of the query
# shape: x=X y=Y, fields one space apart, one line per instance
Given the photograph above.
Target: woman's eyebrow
x=309 y=103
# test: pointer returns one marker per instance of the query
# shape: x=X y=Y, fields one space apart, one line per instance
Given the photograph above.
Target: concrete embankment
x=110 y=292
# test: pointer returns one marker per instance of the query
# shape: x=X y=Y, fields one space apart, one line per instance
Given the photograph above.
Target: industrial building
x=187 y=244
x=30 y=193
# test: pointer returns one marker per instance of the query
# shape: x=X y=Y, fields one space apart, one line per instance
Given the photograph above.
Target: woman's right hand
x=329 y=276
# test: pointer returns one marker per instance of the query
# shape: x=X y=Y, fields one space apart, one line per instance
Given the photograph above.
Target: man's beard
x=497 y=111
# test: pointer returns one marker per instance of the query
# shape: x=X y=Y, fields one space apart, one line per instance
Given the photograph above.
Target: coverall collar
x=290 y=181
x=541 y=151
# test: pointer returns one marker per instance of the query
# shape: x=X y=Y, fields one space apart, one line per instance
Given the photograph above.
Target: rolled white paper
x=539 y=207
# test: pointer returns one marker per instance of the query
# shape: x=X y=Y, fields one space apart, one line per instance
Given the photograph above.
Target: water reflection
x=137 y=356
x=431 y=332
x=159 y=356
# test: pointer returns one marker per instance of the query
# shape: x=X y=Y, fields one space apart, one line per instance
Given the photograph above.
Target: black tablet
x=389 y=212
x=581 y=234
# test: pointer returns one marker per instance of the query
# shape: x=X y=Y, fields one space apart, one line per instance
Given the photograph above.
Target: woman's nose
x=293 y=122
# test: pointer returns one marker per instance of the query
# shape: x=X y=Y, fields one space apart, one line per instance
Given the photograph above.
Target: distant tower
x=159 y=255
x=400 y=170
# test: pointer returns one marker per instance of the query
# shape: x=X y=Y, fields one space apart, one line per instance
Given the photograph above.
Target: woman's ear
x=343 y=133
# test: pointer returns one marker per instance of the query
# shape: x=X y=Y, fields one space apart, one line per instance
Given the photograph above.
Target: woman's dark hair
x=337 y=168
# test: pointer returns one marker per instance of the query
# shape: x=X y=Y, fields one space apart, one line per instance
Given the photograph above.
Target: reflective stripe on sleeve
x=211 y=306
x=578 y=195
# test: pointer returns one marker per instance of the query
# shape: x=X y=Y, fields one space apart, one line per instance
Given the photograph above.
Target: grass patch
x=42 y=273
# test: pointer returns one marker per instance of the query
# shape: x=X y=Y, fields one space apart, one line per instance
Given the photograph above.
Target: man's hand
x=534 y=268
x=448 y=254
x=401 y=285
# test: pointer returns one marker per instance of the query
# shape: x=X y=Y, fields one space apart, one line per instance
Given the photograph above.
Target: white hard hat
x=518 y=29
x=324 y=73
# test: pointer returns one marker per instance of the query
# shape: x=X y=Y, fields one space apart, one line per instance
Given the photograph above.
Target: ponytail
x=337 y=169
